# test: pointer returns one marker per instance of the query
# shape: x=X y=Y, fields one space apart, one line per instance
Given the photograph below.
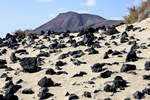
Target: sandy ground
x=136 y=82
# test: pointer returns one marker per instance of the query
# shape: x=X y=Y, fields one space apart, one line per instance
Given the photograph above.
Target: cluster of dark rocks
x=117 y=83
x=88 y=39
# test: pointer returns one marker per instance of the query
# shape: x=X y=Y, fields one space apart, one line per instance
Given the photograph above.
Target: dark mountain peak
x=74 y=21
x=69 y=12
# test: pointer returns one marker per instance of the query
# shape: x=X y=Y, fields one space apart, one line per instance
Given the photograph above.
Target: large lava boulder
x=132 y=56
x=127 y=67
x=98 y=67
x=29 y=64
x=124 y=37
x=111 y=30
x=119 y=82
x=46 y=82
x=138 y=95
x=88 y=38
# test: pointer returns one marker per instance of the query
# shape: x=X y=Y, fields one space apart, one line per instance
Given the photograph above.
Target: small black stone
x=60 y=63
x=10 y=97
x=106 y=55
x=46 y=82
x=63 y=56
x=131 y=56
x=43 y=54
x=3 y=61
x=19 y=81
x=119 y=82
x=129 y=28
x=13 y=89
x=77 y=53
x=61 y=72
x=87 y=94
x=127 y=99
x=107 y=99
x=146 y=77
x=1 y=97
x=50 y=71
x=146 y=91
x=4 y=75
x=124 y=37
x=13 y=58
x=73 y=97
x=44 y=95
x=106 y=74
x=77 y=62
x=92 y=51
x=98 y=67
x=109 y=88
x=80 y=74
x=67 y=94
x=147 y=65
x=27 y=91
x=138 y=95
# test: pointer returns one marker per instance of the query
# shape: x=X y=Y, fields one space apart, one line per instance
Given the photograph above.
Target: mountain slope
x=74 y=22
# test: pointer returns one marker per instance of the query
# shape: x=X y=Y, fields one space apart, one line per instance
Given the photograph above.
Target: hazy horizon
x=29 y=14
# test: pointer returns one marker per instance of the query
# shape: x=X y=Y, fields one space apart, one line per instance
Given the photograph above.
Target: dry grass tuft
x=135 y=12
x=23 y=33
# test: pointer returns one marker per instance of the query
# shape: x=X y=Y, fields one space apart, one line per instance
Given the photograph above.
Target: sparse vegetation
x=23 y=33
x=135 y=12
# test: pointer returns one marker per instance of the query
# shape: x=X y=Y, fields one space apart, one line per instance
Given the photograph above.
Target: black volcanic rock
x=146 y=91
x=2 y=64
x=129 y=28
x=80 y=74
x=44 y=94
x=77 y=62
x=46 y=82
x=98 y=67
x=13 y=57
x=43 y=54
x=73 y=97
x=124 y=37
x=92 y=51
x=146 y=77
x=3 y=61
x=106 y=74
x=109 y=88
x=29 y=64
x=77 y=53
x=132 y=56
x=119 y=82
x=88 y=38
x=74 y=22
x=60 y=63
x=50 y=71
x=111 y=31
x=138 y=95
x=127 y=67
x=106 y=55
x=27 y=91
x=147 y=65
x=87 y=94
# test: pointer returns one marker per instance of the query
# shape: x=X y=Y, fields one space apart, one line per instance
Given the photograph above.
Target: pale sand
x=136 y=82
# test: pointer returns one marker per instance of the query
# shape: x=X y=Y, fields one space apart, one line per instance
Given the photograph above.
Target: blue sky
x=29 y=14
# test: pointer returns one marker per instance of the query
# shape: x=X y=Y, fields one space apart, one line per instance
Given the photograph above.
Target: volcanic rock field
x=106 y=63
